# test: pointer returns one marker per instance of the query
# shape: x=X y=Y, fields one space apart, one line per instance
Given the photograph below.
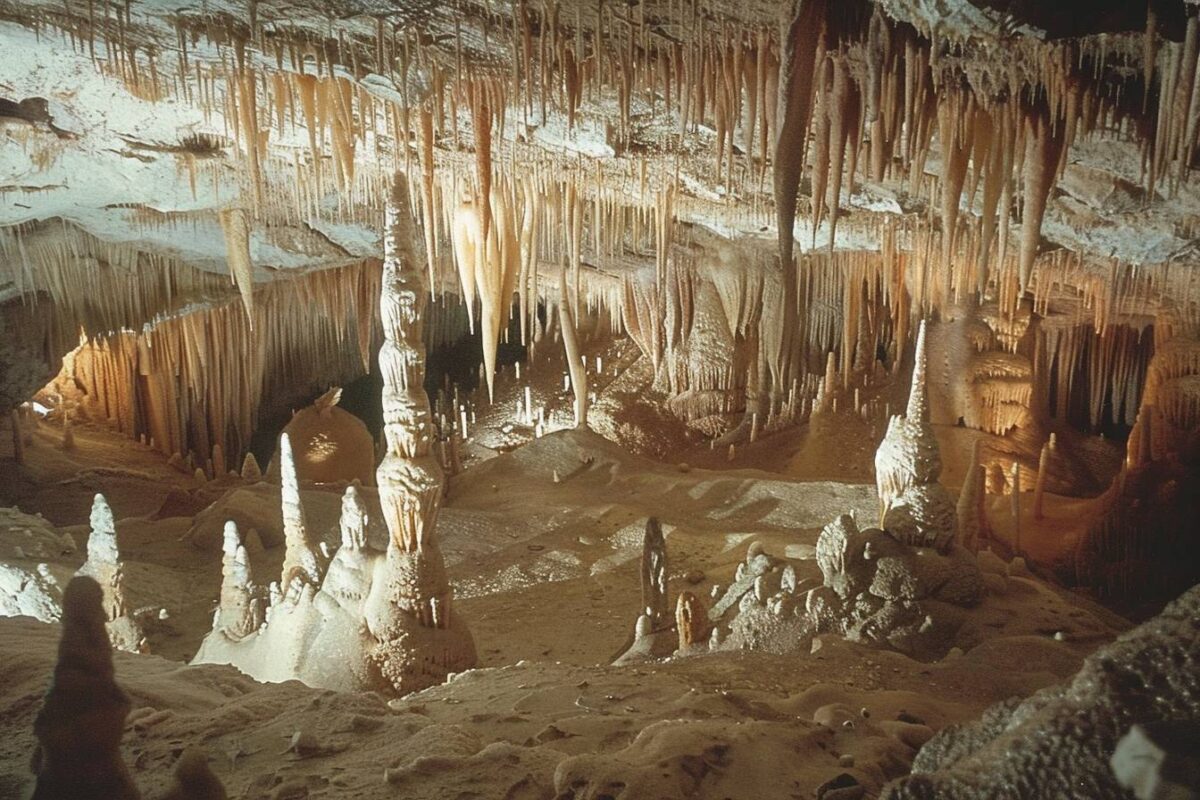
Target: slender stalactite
x=575 y=365
x=801 y=38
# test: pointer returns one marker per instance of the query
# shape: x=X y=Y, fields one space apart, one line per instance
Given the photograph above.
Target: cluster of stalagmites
x=892 y=586
x=80 y=724
x=37 y=592
x=361 y=618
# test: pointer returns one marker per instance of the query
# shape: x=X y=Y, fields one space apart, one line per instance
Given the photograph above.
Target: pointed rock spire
x=250 y=468
x=918 y=405
x=240 y=612
x=301 y=559
x=655 y=603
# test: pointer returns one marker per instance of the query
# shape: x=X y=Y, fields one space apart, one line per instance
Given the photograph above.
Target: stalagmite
x=353 y=520
x=301 y=559
x=370 y=620
x=419 y=637
x=104 y=566
x=691 y=620
x=1015 y=498
x=240 y=611
x=971 y=509
x=655 y=602
x=1039 y=487
x=914 y=507
x=80 y=723
x=250 y=469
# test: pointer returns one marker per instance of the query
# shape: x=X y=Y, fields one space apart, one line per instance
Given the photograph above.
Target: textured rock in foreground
x=1057 y=744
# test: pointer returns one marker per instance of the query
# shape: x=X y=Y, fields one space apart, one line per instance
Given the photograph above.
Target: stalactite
x=237 y=255
x=579 y=381
x=1043 y=148
x=801 y=42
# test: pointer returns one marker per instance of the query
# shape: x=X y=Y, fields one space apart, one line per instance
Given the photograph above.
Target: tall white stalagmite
x=301 y=558
x=240 y=612
x=104 y=565
x=914 y=506
x=418 y=638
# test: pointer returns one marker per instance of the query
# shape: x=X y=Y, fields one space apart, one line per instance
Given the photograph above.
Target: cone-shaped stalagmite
x=240 y=612
x=80 y=724
x=914 y=506
x=301 y=557
x=691 y=620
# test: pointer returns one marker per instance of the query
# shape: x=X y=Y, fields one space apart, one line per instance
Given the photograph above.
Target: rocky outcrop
x=33 y=566
x=880 y=591
x=330 y=445
x=1058 y=743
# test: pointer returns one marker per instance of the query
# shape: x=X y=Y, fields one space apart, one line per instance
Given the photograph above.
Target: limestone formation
x=370 y=619
x=1058 y=742
x=419 y=640
x=302 y=560
x=655 y=602
x=691 y=621
x=80 y=723
x=104 y=566
x=971 y=510
x=881 y=591
x=241 y=608
x=916 y=509
x=329 y=444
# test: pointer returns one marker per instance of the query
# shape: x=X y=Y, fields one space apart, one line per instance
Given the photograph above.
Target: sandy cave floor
x=547 y=575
